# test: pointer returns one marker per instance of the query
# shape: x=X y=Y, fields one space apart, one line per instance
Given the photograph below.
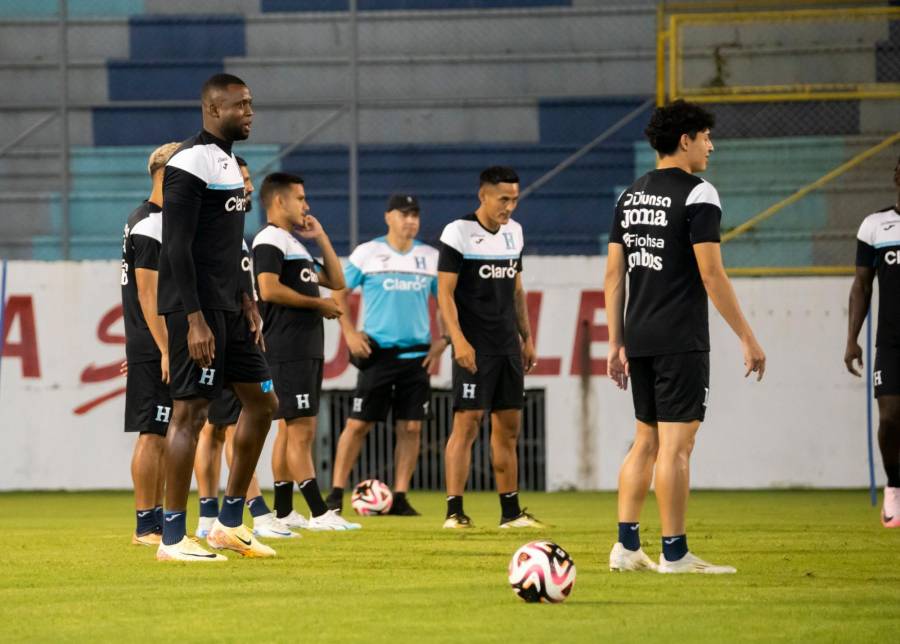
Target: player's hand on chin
x=311 y=228
x=201 y=343
x=464 y=354
x=617 y=366
x=754 y=358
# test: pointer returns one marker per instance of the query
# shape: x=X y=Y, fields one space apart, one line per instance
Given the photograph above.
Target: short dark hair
x=275 y=183
x=241 y=161
x=219 y=82
x=669 y=122
x=498 y=174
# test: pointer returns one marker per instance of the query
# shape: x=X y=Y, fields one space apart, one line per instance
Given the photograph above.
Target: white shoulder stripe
x=704 y=192
x=194 y=160
x=289 y=246
x=149 y=226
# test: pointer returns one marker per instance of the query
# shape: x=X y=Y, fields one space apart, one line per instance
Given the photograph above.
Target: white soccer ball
x=371 y=497
x=541 y=571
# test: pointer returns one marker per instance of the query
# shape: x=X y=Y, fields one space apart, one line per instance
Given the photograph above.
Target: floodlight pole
x=65 y=179
x=354 y=128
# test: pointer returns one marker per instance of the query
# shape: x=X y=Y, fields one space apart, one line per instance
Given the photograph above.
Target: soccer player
x=878 y=253
x=288 y=280
x=483 y=303
x=394 y=350
x=148 y=405
x=665 y=238
x=215 y=332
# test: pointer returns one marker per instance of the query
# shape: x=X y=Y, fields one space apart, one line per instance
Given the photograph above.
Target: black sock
x=158 y=512
x=146 y=521
x=630 y=535
x=310 y=490
x=336 y=494
x=257 y=506
x=893 y=474
x=209 y=506
x=399 y=498
x=509 y=505
x=284 y=498
x=674 y=548
x=454 y=505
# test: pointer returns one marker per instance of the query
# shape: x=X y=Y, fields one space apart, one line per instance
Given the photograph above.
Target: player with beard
x=215 y=331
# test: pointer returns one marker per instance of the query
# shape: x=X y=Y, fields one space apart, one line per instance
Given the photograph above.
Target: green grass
x=812 y=566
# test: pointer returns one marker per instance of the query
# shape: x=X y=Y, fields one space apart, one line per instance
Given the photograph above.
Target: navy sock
x=893 y=474
x=209 y=506
x=232 y=514
x=454 y=505
x=674 y=548
x=158 y=514
x=310 y=490
x=509 y=505
x=630 y=535
x=258 y=506
x=146 y=521
x=284 y=498
x=174 y=528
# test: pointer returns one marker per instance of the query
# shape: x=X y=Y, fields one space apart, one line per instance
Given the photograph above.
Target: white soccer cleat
x=621 y=559
x=523 y=520
x=204 y=525
x=331 y=520
x=459 y=521
x=238 y=539
x=268 y=526
x=692 y=563
x=186 y=550
x=890 y=511
x=295 y=521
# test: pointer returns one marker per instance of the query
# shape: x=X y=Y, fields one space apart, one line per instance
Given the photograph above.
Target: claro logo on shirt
x=491 y=272
x=309 y=275
x=236 y=204
x=892 y=257
x=397 y=284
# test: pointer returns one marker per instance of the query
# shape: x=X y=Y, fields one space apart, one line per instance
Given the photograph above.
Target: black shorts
x=298 y=385
x=225 y=409
x=671 y=388
x=498 y=384
x=148 y=405
x=392 y=384
x=237 y=357
x=886 y=374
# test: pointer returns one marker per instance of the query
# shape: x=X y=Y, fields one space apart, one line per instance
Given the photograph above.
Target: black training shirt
x=878 y=246
x=140 y=249
x=658 y=220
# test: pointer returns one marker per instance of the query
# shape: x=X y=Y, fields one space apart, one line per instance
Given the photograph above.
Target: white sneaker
x=204 y=525
x=331 y=520
x=692 y=563
x=295 y=520
x=890 y=511
x=268 y=526
x=186 y=550
x=622 y=559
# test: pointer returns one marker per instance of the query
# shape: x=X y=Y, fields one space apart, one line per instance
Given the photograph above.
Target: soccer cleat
x=331 y=520
x=524 y=520
x=890 y=511
x=295 y=520
x=186 y=550
x=239 y=539
x=268 y=526
x=458 y=521
x=204 y=525
x=149 y=539
x=622 y=559
x=692 y=563
x=403 y=509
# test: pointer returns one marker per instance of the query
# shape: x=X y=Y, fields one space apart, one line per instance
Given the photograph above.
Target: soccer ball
x=371 y=497
x=541 y=571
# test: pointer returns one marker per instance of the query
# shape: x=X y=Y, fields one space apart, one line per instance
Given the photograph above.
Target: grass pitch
x=812 y=566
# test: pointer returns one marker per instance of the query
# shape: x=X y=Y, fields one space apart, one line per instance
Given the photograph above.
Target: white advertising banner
x=62 y=398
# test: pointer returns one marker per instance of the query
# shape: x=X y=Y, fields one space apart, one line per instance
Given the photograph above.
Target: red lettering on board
x=587 y=331
x=546 y=366
x=21 y=308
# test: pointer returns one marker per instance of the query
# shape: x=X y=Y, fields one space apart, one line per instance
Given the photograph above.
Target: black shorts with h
x=392 y=384
x=499 y=383
x=298 y=385
x=148 y=405
x=886 y=373
x=671 y=388
x=237 y=356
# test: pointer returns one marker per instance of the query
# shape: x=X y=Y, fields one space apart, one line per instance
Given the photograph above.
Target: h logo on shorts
x=302 y=401
x=469 y=391
x=420 y=263
x=877 y=378
x=207 y=377
x=357 y=404
x=425 y=407
x=706 y=397
x=163 y=413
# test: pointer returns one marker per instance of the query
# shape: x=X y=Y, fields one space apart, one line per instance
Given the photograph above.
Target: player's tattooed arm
x=463 y=352
x=614 y=293
x=529 y=355
x=860 y=300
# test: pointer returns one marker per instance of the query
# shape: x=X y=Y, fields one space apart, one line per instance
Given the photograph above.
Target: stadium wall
x=62 y=399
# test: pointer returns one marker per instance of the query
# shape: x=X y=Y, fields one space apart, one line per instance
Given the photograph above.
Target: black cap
x=402 y=202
